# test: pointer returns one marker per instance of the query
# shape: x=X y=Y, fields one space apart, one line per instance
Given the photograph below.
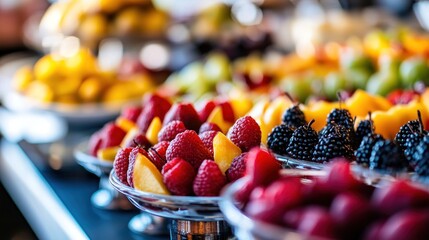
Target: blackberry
x=421 y=157
x=294 y=117
x=386 y=155
x=363 y=153
x=302 y=142
x=334 y=128
x=410 y=147
x=407 y=129
x=364 y=128
x=279 y=137
x=331 y=146
x=341 y=117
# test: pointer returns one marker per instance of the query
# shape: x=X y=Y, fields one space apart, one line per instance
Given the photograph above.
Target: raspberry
x=237 y=168
x=188 y=146
x=186 y=113
x=179 y=176
x=209 y=180
x=169 y=131
x=132 y=160
x=262 y=167
x=209 y=127
x=121 y=164
x=161 y=148
x=207 y=138
x=245 y=133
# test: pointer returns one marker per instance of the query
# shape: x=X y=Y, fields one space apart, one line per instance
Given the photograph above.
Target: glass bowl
x=247 y=228
x=191 y=217
x=288 y=162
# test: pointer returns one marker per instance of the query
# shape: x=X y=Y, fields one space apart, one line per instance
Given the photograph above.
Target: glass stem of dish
x=184 y=229
x=107 y=198
x=148 y=224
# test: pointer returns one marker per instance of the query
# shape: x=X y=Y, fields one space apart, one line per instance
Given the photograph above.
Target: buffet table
x=56 y=203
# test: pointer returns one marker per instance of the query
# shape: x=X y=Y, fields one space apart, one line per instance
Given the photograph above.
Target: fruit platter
x=334 y=203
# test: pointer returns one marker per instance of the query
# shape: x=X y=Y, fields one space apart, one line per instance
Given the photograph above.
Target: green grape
x=358 y=77
x=334 y=82
x=413 y=70
x=382 y=83
x=297 y=87
x=217 y=68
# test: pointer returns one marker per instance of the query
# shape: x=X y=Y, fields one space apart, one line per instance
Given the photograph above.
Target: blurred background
x=144 y=39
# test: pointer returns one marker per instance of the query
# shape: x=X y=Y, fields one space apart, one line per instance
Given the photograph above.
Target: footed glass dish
x=191 y=217
x=107 y=198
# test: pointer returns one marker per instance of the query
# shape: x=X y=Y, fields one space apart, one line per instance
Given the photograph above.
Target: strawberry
x=188 y=146
x=95 y=143
x=262 y=167
x=245 y=133
x=207 y=126
x=178 y=176
x=204 y=112
x=132 y=160
x=237 y=168
x=401 y=96
x=131 y=113
x=209 y=180
x=121 y=164
x=154 y=106
x=207 y=139
x=169 y=131
x=112 y=135
x=157 y=154
x=186 y=113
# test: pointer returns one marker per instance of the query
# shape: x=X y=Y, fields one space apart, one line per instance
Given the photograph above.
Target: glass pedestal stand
x=191 y=217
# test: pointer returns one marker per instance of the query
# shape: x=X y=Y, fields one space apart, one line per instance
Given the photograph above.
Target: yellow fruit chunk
x=23 y=77
x=265 y=130
x=90 y=89
x=259 y=109
x=224 y=151
x=107 y=154
x=274 y=112
x=40 y=91
x=424 y=98
x=125 y=124
x=131 y=134
x=147 y=177
x=362 y=102
x=153 y=130
x=47 y=68
x=216 y=116
x=241 y=106
x=81 y=63
x=319 y=112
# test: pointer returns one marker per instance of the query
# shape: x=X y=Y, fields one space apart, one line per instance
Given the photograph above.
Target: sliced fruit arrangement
x=379 y=63
x=95 y=20
x=296 y=138
x=176 y=149
x=78 y=79
x=338 y=205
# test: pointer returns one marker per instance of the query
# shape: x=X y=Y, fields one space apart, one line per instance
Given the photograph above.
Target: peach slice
x=241 y=106
x=274 y=112
x=216 y=116
x=224 y=151
x=125 y=124
x=153 y=130
x=147 y=177
x=107 y=154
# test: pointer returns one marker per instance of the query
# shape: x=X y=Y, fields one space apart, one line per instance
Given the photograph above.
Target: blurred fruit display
x=77 y=78
x=95 y=20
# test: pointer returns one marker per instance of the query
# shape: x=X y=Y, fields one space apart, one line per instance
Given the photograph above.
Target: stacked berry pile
x=175 y=149
x=337 y=205
x=339 y=138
